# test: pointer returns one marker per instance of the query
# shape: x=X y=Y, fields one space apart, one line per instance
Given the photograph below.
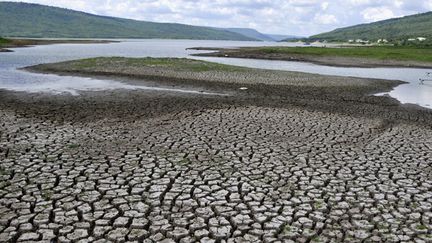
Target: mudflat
x=294 y=158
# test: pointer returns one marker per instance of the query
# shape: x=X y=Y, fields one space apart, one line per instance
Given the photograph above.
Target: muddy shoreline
x=5 y=50
x=343 y=95
x=334 y=61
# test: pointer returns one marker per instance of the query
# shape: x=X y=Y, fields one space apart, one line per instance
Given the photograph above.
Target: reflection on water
x=13 y=79
x=414 y=93
x=72 y=85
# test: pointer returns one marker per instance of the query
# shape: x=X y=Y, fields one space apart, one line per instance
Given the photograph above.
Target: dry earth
x=301 y=165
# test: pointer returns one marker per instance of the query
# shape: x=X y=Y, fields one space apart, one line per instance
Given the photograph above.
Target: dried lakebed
x=276 y=163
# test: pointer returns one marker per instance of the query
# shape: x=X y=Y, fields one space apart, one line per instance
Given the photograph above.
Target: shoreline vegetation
x=370 y=56
x=6 y=43
x=346 y=95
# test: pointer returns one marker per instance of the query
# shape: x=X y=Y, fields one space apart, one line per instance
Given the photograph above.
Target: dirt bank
x=337 y=61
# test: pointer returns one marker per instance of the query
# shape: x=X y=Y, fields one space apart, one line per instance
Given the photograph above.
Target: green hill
x=37 y=21
x=419 y=25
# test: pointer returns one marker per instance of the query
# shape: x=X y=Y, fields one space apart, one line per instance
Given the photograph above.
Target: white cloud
x=299 y=17
x=325 y=19
x=324 y=6
x=360 y=2
x=377 y=14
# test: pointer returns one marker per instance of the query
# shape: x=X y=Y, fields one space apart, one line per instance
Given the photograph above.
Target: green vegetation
x=287 y=228
x=421 y=44
x=4 y=184
x=3 y=171
x=47 y=195
x=73 y=146
x=421 y=227
x=394 y=30
x=316 y=239
x=184 y=161
x=4 y=41
x=375 y=52
x=177 y=64
x=33 y=20
x=318 y=204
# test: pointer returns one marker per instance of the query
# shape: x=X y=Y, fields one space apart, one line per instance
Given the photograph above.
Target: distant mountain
x=34 y=20
x=251 y=33
x=283 y=37
x=419 y=25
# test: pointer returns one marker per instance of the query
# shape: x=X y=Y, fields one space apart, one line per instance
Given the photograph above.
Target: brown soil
x=336 y=61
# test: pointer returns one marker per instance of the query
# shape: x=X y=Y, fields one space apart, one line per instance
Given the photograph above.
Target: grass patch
x=4 y=184
x=316 y=239
x=86 y=63
x=47 y=195
x=421 y=227
x=318 y=204
x=287 y=229
x=184 y=161
x=376 y=52
x=73 y=146
x=4 y=41
x=177 y=64
x=3 y=171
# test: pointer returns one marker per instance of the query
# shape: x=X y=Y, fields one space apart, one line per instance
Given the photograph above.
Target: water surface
x=412 y=92
x=13 y=79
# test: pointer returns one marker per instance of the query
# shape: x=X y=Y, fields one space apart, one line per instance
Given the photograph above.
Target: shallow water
x=413 y=92
x=13 y=79
x=68 y=84
x=17 y=80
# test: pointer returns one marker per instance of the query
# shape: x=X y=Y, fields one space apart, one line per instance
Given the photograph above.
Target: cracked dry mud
x=239 y=173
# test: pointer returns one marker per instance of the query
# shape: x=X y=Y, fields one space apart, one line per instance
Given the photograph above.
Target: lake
x=13 y=79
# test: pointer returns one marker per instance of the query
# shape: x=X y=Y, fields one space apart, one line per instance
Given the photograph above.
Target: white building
x=417 y=39
x=362 y=41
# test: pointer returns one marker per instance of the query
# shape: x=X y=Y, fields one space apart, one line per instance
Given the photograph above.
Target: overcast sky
x=293 y=17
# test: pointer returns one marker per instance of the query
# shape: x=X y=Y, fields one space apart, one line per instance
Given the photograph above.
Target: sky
x=289 y=17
